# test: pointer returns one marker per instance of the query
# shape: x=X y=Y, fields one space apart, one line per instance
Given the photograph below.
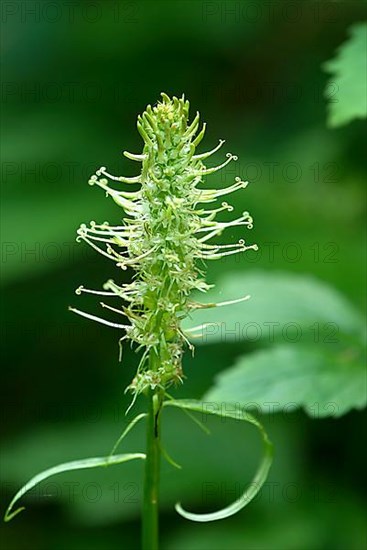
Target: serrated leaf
x=262 y=471
x=322 y=381
x=347 y=88
x=281 y=305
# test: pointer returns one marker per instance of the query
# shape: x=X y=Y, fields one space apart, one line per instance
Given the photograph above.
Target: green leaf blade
x=82 y=464
x=325 y=382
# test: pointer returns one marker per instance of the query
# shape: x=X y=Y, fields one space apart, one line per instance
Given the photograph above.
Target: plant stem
x=152 y=467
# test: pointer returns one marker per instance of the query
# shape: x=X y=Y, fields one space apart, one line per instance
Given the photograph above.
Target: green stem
x=152 y=467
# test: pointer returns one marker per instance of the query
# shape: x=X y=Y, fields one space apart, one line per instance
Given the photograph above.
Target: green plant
x=165 y=239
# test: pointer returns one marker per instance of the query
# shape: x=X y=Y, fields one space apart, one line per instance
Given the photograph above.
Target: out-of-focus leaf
x=286 y=377
x=282 y=305
x=347 y=87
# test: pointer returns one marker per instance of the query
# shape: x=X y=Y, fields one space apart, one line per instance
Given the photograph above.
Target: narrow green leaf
x=126 y=431
x=168 y=457
x=66 y=467
x=262 y=471
x=324 y=381
x=192 y=417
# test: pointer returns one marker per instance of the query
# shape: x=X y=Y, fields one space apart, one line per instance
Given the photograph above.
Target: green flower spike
x=165 y=238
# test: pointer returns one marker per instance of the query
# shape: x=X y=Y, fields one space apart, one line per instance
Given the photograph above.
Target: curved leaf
x=126 y=431
x=262 y=471
x=66 y=467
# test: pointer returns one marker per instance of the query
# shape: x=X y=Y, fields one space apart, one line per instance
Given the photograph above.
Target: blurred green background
x=75 y=76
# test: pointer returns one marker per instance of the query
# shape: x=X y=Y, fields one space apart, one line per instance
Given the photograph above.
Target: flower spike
x=159 y=237
x=163 y=238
